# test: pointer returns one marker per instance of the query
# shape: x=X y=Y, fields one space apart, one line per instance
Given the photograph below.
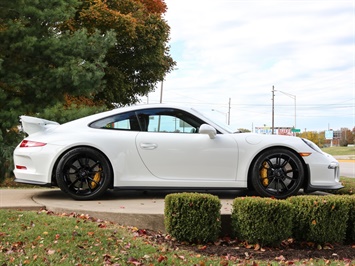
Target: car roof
x=90 y=118
x=85 y=121
x=136 y=107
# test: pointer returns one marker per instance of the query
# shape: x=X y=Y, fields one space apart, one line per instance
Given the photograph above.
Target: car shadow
x=146 y=194
x=111 y=195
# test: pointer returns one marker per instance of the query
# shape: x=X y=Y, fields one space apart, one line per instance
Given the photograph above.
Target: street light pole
x=228 y=114
x=229 y=111
x=223 y=113
x=294 y=98
x=273 y=111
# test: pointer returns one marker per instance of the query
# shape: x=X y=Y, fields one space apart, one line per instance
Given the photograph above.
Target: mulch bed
x=287 y=251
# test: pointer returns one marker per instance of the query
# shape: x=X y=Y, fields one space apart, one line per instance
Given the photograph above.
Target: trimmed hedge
x=193 y=217
x=320 y=219
x=264 y=221
x=196 y=218
x=350 y=232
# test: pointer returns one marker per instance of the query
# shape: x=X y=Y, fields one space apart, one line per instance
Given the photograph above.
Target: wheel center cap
x=83 y=173
x=279 y=173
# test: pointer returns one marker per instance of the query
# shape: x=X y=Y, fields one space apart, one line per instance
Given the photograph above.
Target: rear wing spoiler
x=31 y=124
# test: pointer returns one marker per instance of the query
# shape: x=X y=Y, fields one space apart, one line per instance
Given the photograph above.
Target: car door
x=171 y=148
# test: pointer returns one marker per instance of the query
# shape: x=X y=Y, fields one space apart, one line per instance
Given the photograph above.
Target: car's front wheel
x=83 y=173
x=277 y=173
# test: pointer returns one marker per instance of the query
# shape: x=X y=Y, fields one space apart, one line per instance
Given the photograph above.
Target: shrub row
x=195 y=217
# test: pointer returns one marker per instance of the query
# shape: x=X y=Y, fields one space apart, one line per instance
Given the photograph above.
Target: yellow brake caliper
x=263 y=174
x=96 y=179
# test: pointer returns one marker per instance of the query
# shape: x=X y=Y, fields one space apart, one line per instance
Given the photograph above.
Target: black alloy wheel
x=83 y=173
x=277 y=173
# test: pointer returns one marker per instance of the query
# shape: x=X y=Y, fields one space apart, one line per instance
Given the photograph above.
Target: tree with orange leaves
x=140 y=57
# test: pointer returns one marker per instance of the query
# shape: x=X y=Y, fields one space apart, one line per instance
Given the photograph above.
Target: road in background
x=347 y=168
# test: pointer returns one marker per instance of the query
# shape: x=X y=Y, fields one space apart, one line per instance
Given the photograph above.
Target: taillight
x=29 y=144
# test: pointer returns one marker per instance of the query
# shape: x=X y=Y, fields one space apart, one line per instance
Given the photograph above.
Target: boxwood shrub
x=193 y=217
x=265 y=221
x=320 y=219
x=350 y=232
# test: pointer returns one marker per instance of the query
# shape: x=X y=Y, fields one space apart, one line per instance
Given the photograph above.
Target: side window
x=120 y=124
x=125 y=121
x=167 y=123
x=168 y=120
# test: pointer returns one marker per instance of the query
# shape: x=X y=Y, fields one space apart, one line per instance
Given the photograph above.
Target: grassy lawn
x=349 y=186
x=42 y=238
x=36 y=238
x=340 y=151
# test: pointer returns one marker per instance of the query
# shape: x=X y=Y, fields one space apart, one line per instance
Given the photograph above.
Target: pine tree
x=40 y=62
x=88 y=50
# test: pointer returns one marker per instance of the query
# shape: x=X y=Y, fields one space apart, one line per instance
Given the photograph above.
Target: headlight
x=312 y=145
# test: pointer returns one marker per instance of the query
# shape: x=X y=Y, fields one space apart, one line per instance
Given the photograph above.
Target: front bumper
x=324 y=175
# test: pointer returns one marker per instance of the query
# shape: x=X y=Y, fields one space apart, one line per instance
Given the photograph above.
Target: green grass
x=349 y=186
x=42 y=238
x=31 y=238
x=340 y=151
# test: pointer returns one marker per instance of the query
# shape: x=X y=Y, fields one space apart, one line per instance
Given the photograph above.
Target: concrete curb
x=129 y=208
x=20 y=199
x=143 y=210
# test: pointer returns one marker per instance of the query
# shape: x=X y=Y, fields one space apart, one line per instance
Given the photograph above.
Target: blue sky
x=240 y=49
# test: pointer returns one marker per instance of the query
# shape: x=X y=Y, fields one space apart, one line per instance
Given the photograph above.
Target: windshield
x=216 y=118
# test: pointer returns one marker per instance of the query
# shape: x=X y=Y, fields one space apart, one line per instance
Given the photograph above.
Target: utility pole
x=273 y=110
x=161 y=90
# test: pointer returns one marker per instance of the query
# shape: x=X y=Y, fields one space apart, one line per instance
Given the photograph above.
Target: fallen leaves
x=89 y=241
x=280 y=258
x=50 y=251
x=202 y=247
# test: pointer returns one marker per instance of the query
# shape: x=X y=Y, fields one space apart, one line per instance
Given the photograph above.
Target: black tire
x=277 y=173
x=83 y=173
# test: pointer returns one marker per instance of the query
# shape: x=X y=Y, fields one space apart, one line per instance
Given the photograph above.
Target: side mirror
x=209 y=130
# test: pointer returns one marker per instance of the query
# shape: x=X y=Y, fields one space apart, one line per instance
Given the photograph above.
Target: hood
x=31 y=125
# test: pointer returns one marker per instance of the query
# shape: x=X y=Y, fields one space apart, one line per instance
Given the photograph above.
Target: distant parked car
x=166 y=147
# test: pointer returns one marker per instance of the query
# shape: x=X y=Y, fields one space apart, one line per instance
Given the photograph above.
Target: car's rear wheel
x=277 y=173
x=83 y=173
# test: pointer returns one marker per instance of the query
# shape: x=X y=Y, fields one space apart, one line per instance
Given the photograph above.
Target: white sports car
x=166 y=147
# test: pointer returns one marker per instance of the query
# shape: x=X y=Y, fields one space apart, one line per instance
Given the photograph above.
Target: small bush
x=193 y=217
x=350 y=232
x=320 y=219
x=264 y=221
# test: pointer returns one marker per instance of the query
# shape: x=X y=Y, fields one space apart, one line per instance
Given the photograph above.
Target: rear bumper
x=33 y=165
x=31 y=182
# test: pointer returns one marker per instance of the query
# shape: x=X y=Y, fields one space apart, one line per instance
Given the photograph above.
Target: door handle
x=148 y=146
